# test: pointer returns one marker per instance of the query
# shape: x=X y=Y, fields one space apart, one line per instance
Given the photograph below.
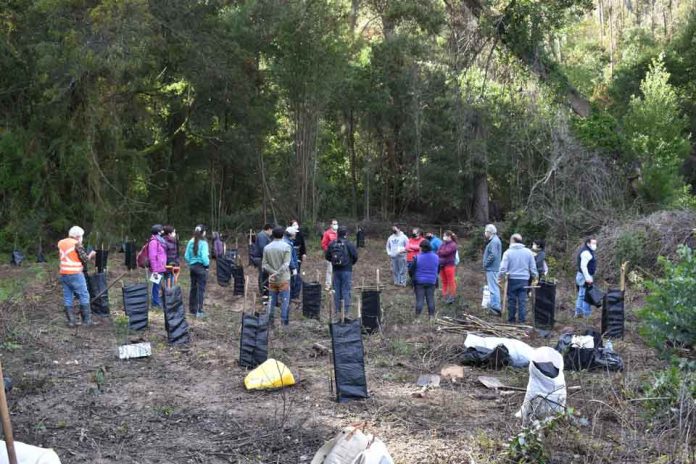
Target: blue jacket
x=492 y=255
x=202 y=257
x=436 y=243
x=293 y=255
x=426 y=268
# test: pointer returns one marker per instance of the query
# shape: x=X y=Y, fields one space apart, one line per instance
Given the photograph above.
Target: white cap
x=76 y=232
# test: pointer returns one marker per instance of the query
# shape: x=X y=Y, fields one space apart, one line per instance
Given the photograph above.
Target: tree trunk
x=353 y=162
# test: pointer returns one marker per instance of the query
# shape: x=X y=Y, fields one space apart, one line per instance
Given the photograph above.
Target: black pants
x=199 y=276
x=425 y=292
x=263 y=282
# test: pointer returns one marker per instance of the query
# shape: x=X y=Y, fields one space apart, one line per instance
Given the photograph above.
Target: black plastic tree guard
x=371 y=311
x=174 y=317
x=613 y=314
x=545 y=305
x=253 y=343
x=100 y=260
x=360 y=238
x=99 y=297
x=135 y=303
x=349 y=360
x=238 y=277
x=130 y=255
x=311 y=300
x=224 y=271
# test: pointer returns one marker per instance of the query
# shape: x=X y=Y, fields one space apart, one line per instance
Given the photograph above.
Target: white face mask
x=592 y=247
x=535 y=248
x=334 y=226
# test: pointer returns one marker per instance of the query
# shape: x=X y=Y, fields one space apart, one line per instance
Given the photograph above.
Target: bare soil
x=189 y=405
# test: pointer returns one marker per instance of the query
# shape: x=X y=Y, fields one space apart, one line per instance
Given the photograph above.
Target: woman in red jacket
x=447 y=254
x=413 y=245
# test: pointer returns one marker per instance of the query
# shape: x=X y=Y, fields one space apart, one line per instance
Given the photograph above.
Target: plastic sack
x=270 y=374
x=594 y=296
x=28 y=454
x=496 y=358
x=546 y=393
x=486 y=300
x=352 y=446
x=520 y=352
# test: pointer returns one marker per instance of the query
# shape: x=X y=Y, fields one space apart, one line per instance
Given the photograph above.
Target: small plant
x=121 y=325
x=527 y=447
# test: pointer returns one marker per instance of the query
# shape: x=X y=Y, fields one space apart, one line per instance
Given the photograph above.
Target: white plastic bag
x=545 y=396
x=486 y=300
x=352 y=446
x=520 y=352
x=376 y=453
x=28 y=454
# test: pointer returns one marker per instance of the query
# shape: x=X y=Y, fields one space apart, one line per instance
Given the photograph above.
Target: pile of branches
x=643 y=239
x=472 y=324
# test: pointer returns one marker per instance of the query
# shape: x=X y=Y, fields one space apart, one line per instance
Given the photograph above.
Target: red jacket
x=413 y=248
x=329 y=236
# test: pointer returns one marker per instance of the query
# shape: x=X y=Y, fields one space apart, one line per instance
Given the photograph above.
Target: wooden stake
x=505 y=290
x=624 y=267
x=6 y=424
x=343 y=312
x=246 y=283
x=377 y=279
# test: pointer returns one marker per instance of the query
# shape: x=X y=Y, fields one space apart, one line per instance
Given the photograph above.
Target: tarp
x=520 y=352
x=253 y=342
x=96 y=284
x=349 y=360
x=100 y=260
x=175 y=316
x=545 y=305
x=613 y=314
x=224 y=271
x=311 y=300
x=238 y=277
x=135 y=303
x=371 y=311
x=130 y=255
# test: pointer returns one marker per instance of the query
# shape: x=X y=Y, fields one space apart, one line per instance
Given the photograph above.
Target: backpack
x=339 y=253
x=142 y=258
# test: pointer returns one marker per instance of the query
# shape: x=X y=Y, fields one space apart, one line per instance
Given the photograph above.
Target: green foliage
x=600 y=131
x=668 y=320
x=631 y=246
x=655 y=131
x=668 y=388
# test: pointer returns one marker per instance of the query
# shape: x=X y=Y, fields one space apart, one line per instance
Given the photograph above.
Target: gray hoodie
x=519 y=263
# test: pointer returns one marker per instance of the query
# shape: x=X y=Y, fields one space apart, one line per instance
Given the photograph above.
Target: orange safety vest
x=69 y=259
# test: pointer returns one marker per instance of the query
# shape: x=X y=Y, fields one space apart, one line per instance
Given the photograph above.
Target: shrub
x=668 y=318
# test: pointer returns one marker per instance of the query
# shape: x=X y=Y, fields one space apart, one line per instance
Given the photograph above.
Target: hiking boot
x=201 y=315
x=86 y=312
x=70 y=315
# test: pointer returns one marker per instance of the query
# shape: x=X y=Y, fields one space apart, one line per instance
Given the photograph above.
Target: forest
x=562 y=114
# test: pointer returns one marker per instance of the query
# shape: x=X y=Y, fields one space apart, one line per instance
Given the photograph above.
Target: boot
x=70 y=315
x=86 y=315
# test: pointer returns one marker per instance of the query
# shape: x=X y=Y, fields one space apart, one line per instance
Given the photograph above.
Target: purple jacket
x=157 y=254
x=172 y=250
x=447 y=252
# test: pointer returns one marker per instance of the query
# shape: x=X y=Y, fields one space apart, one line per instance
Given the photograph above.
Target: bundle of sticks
x=468 y=323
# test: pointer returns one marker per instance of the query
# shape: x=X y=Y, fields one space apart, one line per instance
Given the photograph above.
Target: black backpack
x=339 y=253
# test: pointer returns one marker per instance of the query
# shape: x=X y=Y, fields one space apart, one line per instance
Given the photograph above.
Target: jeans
x=342 y=283
x=74 y=284
x=398 y=266
x=425 y=292
x=494 y=288
x=517 y=299
x=582 y=308
x=449 y=284
x=199 y=276
x=156 y=292
x=282 y=292
x=329 y=273
x=296 y=284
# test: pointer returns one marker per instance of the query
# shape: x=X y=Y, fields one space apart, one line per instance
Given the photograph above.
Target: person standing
x=539 y=250
x=73 y=261
x=329 y=236
x=518 y=266
x=396 y=249
x=342 y=255
x=277 y=256
x=425 y=267
x=586 y=265
x=218 y=246
x=263 y=238
x=448 y=257
x=197 y=256
x=413 y=245
x=300 y=244
x=157 y=259
x=492 y=255
x=295 y=282
x=435 y=241
x=173 y=260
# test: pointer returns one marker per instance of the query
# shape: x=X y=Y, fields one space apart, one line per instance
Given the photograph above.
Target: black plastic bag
x=578 y=359
x=311 y=300
x=174 y=316
x=135 y=304
x=98 y=295
x=371 y=311
x=608 y=360
x=496 y=358
x=100 y=259
x=238 y=278
x=130 y=255
x=224 y=271
x=349 y=360
x=16 y=258
x=545 y=305
x=613 y=314
x=253 y=342
x=593 y=296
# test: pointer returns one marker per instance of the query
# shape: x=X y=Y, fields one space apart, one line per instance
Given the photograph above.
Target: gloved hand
x=294 y=272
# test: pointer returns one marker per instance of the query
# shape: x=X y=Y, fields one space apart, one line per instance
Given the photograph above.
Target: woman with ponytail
x=198 y=258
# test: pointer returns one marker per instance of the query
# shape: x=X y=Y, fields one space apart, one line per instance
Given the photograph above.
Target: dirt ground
x=189 y=405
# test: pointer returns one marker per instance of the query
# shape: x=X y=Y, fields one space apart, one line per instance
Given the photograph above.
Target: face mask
x=592 y=247
x=334 y=226
x=446 y=239
x=296 y=225
x=394 y=231
x=535 y=248
x=414 y=235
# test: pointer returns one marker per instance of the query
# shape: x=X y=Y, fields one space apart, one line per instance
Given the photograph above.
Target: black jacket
x=300 y=244
x=352 y=253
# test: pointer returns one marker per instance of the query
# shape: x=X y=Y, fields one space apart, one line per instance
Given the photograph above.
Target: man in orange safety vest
x=73 y=260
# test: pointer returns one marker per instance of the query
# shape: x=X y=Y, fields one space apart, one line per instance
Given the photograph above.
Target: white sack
x=545 y=396
x=520 y=352
x=28 y=454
